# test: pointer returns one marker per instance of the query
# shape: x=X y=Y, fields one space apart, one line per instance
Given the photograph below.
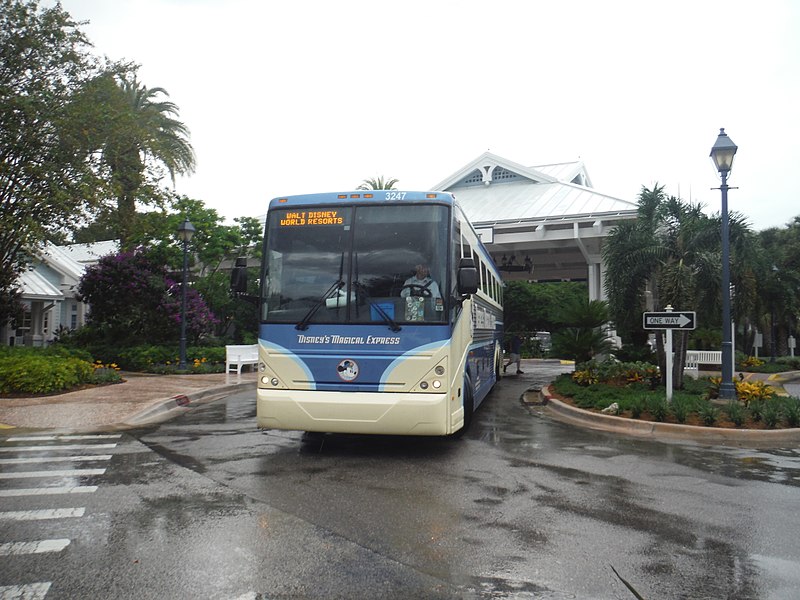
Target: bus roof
x=358 y=196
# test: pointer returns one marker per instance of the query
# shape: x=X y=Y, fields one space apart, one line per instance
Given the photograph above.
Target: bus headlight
x=439 y=370
x=437 y=384
x=424 y=385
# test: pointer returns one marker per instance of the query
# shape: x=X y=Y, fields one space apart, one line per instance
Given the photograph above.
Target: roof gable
x=492 y=189
x=489 y=168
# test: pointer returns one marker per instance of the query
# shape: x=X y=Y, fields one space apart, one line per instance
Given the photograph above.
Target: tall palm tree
x=673 y=251
x=378 y=183
x=143 y=131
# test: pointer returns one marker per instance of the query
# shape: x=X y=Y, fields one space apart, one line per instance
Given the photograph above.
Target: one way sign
x=669 y=320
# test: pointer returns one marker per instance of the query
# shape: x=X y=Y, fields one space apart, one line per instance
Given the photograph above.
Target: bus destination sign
x=311 y=217
x=669 y=320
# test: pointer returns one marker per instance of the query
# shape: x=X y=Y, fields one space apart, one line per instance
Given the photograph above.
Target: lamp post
x=185 y=233
x=773 y=331
x=722 y=154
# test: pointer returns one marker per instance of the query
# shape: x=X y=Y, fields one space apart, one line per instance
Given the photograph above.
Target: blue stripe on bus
x=432 y=347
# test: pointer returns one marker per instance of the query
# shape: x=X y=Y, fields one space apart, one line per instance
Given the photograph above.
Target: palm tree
x=378 y=184
x=142 y=131
x=672 y=250
x=581 y=334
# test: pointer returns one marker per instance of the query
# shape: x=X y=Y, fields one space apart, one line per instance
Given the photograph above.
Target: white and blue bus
x=380 y=313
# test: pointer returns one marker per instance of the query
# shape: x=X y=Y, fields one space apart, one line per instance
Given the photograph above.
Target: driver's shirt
x=426 y=283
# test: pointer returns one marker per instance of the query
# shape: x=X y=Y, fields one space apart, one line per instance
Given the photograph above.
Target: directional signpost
x=668 y=321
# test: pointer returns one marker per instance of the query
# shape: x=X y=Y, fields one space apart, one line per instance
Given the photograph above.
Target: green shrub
x=164 y=359
x=42 y=374
x=791 y=411
x=736 y=413
x=772 y=414
x=658 y=408
x=637 y=406
x=681 y=407
x=708 y=413
x=756 y=409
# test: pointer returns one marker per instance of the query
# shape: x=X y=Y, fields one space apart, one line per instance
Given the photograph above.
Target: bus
x=380 y=313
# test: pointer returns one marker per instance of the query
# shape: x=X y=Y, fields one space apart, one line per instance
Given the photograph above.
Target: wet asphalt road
x=207 y=506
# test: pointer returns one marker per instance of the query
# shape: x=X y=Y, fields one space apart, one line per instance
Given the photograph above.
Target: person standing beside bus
x=514 y=354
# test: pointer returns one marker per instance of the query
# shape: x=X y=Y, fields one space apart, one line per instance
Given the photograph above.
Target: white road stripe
x=62 y=473
x=50 y=438
x=49 y=459
x=49 y=491
x=27 y=591
x=66 y=447
x=38 y=547
x=36 y=515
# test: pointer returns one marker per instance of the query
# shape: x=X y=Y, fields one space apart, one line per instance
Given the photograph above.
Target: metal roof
x=529 y=194
x=35 y=287
x=517 y=202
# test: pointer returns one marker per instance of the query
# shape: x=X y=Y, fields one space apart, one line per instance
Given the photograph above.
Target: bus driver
x=421 y=284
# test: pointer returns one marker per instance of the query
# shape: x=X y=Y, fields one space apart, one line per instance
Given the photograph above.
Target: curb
x=667 y=431
x=174 y=406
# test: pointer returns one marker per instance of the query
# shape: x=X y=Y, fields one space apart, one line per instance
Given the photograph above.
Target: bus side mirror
x=239 y=276
x=467 y=277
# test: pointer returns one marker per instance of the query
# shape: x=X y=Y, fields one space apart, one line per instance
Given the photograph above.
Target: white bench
x=695 y=358
x=237 y=357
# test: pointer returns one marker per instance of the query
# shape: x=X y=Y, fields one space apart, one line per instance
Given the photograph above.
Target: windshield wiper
x=360 y=287
x=303 y=325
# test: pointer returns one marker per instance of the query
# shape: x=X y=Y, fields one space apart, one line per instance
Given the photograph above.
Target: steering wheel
x=418 y=290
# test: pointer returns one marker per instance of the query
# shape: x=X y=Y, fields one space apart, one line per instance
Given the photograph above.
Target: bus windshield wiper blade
x=386 y=318
x=303 y=324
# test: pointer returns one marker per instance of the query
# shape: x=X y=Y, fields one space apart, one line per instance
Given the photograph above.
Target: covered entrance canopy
x=543 y=223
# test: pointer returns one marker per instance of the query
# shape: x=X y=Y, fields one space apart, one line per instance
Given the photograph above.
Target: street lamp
x=773 y=331
x=185 y=233
x=722 y=154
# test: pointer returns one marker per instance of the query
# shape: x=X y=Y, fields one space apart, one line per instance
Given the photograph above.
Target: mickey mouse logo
x=347 y=369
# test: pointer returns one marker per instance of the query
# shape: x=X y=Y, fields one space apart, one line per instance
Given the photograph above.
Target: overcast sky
x=309 y=96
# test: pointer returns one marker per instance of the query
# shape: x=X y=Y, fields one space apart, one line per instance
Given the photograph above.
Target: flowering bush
x=133 y=300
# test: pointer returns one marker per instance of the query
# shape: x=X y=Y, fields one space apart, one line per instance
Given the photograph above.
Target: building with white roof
x=543 y=223
x=49 y=292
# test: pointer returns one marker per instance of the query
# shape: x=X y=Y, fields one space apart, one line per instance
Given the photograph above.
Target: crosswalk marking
x=37 y=547
x=49 y=459
x=64 y=447
x=37 y=515
x=61 y=473
x=33 y=453
x=28 y=591
x=50 y=438
x=49 y=491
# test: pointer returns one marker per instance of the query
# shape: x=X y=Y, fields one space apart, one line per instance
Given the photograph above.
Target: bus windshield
x=356 y=264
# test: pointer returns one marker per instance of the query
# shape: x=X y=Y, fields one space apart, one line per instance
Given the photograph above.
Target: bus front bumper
x=353 y=412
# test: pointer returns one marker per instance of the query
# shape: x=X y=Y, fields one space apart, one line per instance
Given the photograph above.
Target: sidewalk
x=139 y=400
